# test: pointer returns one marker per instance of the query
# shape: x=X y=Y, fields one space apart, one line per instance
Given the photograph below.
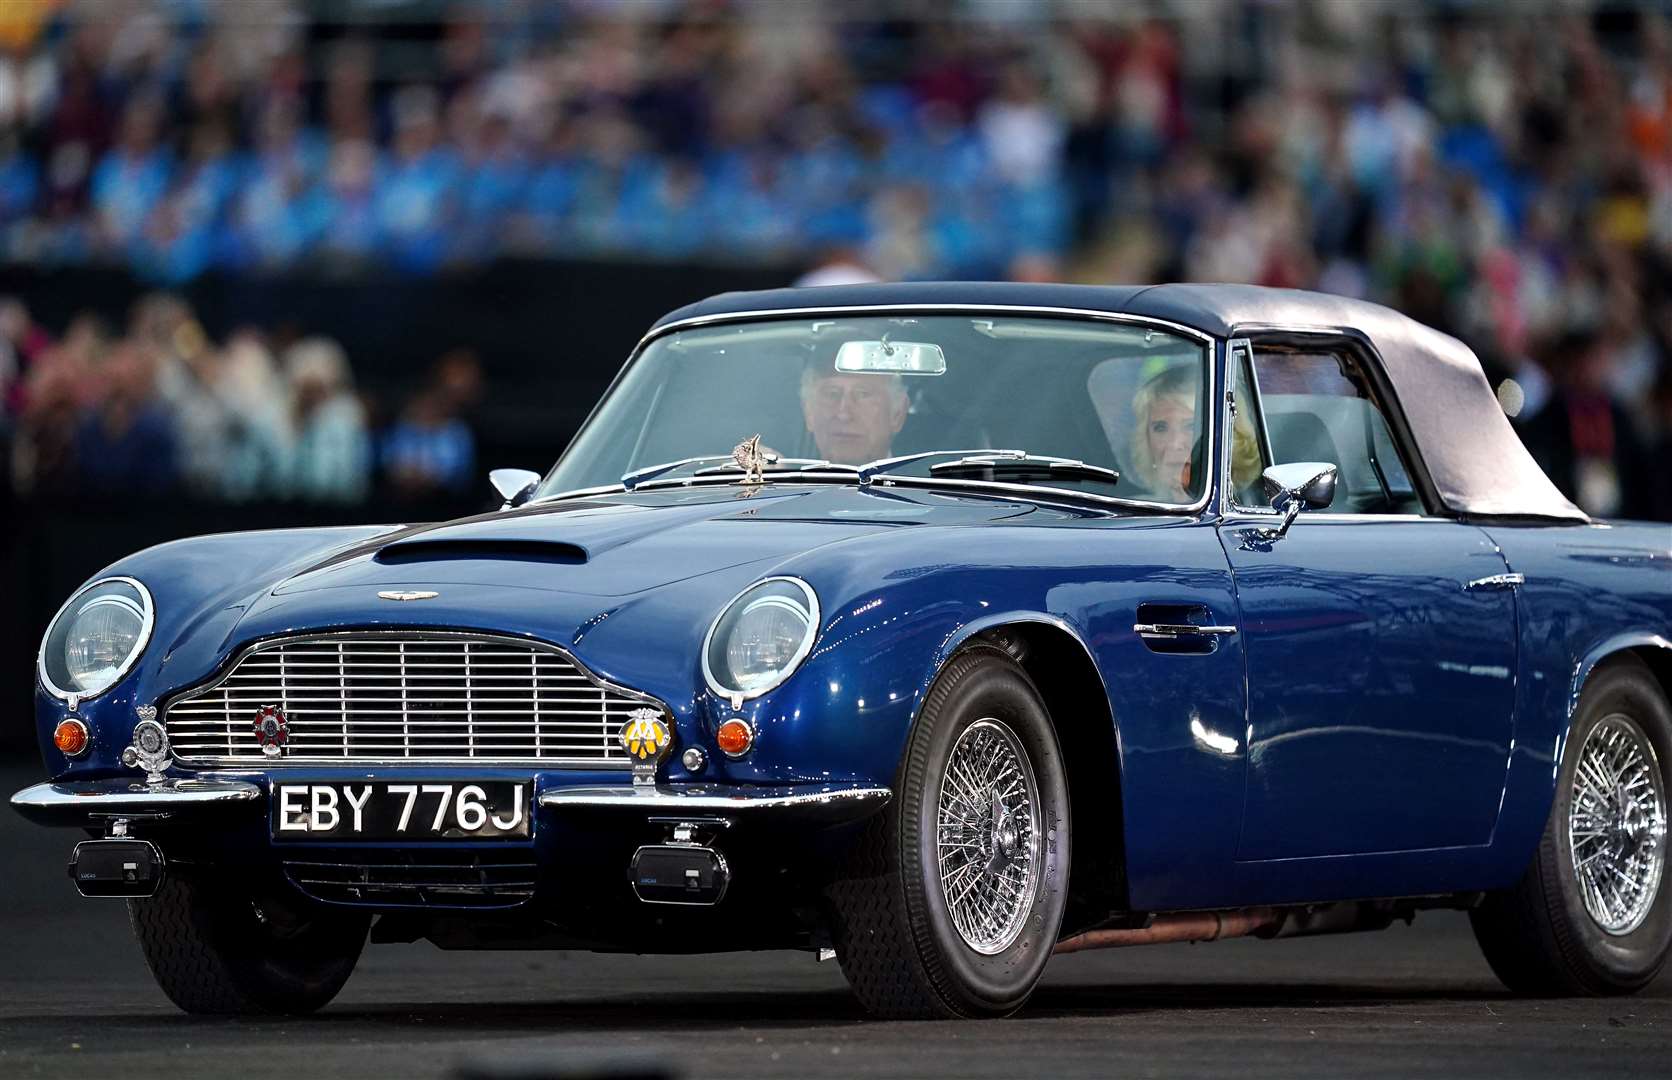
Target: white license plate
x=403 y=810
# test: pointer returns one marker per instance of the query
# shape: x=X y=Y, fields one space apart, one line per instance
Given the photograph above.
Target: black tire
x=217 y=950
x=1538 y=935
x=894 y=934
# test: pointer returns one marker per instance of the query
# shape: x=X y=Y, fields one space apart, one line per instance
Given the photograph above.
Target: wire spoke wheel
x=988 y=836
x=1617 y=825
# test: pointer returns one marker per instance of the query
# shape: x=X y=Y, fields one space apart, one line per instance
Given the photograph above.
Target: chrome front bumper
x=88 y=803
x=92 y=802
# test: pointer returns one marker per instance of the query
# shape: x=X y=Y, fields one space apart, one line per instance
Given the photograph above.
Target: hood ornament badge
x=752 y=459
x=407 y=594
x=272 y=730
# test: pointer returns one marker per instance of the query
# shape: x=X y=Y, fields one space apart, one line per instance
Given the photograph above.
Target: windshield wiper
x=1024 y=467
x=790 y=464
x=726 y=465
x=636 y=477
x=887 y=465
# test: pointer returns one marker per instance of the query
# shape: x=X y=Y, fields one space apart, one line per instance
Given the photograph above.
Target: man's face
x=853 y=418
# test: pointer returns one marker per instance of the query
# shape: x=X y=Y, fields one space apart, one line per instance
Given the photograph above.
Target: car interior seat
x=1301 y=436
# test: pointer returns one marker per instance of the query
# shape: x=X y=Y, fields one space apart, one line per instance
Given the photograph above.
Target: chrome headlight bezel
x=69 y=610
x=809 y=610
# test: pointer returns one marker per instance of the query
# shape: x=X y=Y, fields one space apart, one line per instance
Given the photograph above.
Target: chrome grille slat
x=420 y=697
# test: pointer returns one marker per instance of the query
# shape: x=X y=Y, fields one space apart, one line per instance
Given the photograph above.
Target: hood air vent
x=440 y=550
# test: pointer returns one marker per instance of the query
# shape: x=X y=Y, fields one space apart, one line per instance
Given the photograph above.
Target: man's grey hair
x=815 y=370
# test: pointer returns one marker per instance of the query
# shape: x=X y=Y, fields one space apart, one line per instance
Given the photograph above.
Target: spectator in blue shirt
x=133 y=177
x=125 y=445
x=430 y=450
x=415 y=198
x=275 y=215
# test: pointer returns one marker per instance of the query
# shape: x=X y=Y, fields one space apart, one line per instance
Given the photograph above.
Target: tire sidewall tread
x=897 y=946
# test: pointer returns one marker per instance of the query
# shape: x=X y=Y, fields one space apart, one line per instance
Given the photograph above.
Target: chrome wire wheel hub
x=987 y=836
x=1617 y=825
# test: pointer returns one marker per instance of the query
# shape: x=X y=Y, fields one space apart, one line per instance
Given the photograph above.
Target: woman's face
x=1171 y=430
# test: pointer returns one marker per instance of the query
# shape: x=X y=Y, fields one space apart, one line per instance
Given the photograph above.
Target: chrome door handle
x=1173 y=630
x=1496 y=581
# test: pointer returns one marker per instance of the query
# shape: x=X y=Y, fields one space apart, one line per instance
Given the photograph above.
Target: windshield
x=852 y=390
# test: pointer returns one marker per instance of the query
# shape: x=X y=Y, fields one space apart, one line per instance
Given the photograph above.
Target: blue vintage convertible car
x=937 y=628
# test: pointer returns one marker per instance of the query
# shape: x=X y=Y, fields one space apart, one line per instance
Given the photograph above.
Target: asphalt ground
x=76 y=1000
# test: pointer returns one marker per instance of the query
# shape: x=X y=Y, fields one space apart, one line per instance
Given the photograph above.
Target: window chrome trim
x=814 y=622
x=228 y=668
x=148 y=619
x=1228 y=503
x=1243 y=515
x=1206 y=340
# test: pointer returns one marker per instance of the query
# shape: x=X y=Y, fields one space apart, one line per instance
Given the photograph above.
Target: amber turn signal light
x=735 y=737
x=70 y=736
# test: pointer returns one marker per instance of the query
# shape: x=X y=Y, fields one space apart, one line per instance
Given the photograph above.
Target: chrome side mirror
x=514 y=485
x=1297 y=484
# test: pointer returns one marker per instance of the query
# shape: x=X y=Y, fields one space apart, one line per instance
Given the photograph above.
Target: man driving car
x=853 y=418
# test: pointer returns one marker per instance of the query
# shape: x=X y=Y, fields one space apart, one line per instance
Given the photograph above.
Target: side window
x=1317 y=406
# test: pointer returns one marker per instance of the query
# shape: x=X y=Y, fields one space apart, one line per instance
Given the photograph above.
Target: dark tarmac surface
x=76 y=1000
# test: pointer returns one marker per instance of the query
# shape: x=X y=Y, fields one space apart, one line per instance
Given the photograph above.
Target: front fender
x=200 y=587
x=847 y=713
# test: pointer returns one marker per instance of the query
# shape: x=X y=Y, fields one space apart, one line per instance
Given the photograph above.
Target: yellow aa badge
x=645 y=736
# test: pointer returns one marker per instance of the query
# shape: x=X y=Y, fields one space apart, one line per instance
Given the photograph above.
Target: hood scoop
x=429 y=549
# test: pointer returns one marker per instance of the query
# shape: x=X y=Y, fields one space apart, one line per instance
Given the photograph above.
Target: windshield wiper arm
x=726 y=464
x=1023 y=467
x=638 y=476
x=782 y=465
x=885 y=465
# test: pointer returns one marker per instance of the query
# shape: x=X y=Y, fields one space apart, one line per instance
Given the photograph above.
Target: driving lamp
x=760 y=638
x=95 y=638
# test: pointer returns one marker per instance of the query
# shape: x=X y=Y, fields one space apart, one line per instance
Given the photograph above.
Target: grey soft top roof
x=1477 y=463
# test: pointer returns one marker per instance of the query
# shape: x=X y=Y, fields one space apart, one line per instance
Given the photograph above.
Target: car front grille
x=415 y=879
x=414 y=697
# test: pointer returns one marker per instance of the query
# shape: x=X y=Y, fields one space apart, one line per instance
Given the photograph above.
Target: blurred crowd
x=183 y=135
x=157 y=409
x=1502 y=171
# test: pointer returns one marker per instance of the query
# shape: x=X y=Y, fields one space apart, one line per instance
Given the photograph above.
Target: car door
x=1380 y=639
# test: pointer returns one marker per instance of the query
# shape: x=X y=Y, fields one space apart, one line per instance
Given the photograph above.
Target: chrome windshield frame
x=1211 y=400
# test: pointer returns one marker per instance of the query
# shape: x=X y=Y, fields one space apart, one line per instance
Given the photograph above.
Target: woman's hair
x=1246 y=460
x=1179 y=381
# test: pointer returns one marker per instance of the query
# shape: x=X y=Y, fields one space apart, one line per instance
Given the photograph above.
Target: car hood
x=625 y=544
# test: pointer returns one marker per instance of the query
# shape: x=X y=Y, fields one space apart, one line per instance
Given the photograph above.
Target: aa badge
x=645 y=735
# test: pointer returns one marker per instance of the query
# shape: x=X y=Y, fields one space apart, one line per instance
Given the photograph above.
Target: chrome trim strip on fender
x=81 y=802
x=1496 y=581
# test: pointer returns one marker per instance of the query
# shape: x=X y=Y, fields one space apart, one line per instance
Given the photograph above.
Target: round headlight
x=95 y=638
x=760 y=637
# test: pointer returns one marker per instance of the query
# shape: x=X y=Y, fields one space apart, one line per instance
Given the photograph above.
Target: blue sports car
x=932 y=628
